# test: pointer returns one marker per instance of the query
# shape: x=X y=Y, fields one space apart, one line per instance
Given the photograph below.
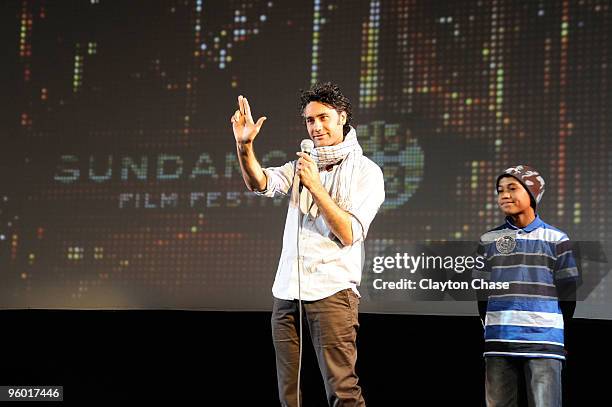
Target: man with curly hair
x=334 y=195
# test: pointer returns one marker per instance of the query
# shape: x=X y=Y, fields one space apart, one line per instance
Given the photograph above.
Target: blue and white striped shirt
x=526 y=320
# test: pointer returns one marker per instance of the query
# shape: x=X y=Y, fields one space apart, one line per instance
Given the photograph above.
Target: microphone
x=306 y=146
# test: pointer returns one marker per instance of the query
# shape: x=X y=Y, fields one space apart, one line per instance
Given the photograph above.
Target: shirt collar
x=536 y=223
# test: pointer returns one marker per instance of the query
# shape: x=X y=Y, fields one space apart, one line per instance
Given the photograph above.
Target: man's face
x=512 y=197
x=324 y=124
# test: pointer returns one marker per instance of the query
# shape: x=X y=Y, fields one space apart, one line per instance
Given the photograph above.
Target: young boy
x=524 y=325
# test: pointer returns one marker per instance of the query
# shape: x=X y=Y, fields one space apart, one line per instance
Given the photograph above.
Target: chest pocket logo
x=505 y=244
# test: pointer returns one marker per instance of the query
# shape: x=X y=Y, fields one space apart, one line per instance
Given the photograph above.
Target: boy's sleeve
x=565 y=263
x=567 y=277
x=482 y=271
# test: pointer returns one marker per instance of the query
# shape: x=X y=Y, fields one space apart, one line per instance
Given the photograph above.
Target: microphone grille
x=306 y=146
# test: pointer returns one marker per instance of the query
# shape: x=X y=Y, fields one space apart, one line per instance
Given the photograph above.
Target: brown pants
x=332 y=323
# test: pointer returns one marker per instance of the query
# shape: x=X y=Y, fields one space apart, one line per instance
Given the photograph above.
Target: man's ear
x=343 y=118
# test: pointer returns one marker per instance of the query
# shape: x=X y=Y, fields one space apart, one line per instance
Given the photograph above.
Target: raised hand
x=245 y=129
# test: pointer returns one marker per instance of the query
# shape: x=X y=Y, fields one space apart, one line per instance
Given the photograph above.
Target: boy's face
x=512 y=197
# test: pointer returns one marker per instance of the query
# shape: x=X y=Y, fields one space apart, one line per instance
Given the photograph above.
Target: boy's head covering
x=529 y=178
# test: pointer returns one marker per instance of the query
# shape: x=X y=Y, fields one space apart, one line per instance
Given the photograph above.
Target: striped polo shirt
x=526 y=320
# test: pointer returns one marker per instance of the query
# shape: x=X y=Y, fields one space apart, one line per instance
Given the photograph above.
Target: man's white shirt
x=327 y=265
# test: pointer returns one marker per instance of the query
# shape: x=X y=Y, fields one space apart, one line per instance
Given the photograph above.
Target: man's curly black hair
x=329 y=94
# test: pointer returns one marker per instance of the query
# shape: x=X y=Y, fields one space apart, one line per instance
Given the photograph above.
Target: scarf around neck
x=348 y=153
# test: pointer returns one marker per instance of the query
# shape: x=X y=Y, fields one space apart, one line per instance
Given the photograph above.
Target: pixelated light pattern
x=370 y=78
x=397 y=152
x=317 y=22
x=218 y=46
x=124 y=184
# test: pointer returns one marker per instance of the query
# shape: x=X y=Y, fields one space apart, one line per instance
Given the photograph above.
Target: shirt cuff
x=268 y=192
x=356 y=228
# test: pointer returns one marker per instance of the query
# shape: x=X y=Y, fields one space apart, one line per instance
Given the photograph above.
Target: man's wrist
x=244 y=146
x=316 y=189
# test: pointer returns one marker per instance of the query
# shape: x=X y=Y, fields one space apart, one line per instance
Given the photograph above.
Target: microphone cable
x=300 y=263
x=306 y=146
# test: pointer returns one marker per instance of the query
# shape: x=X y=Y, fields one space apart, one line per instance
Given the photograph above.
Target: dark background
x=192 y=358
